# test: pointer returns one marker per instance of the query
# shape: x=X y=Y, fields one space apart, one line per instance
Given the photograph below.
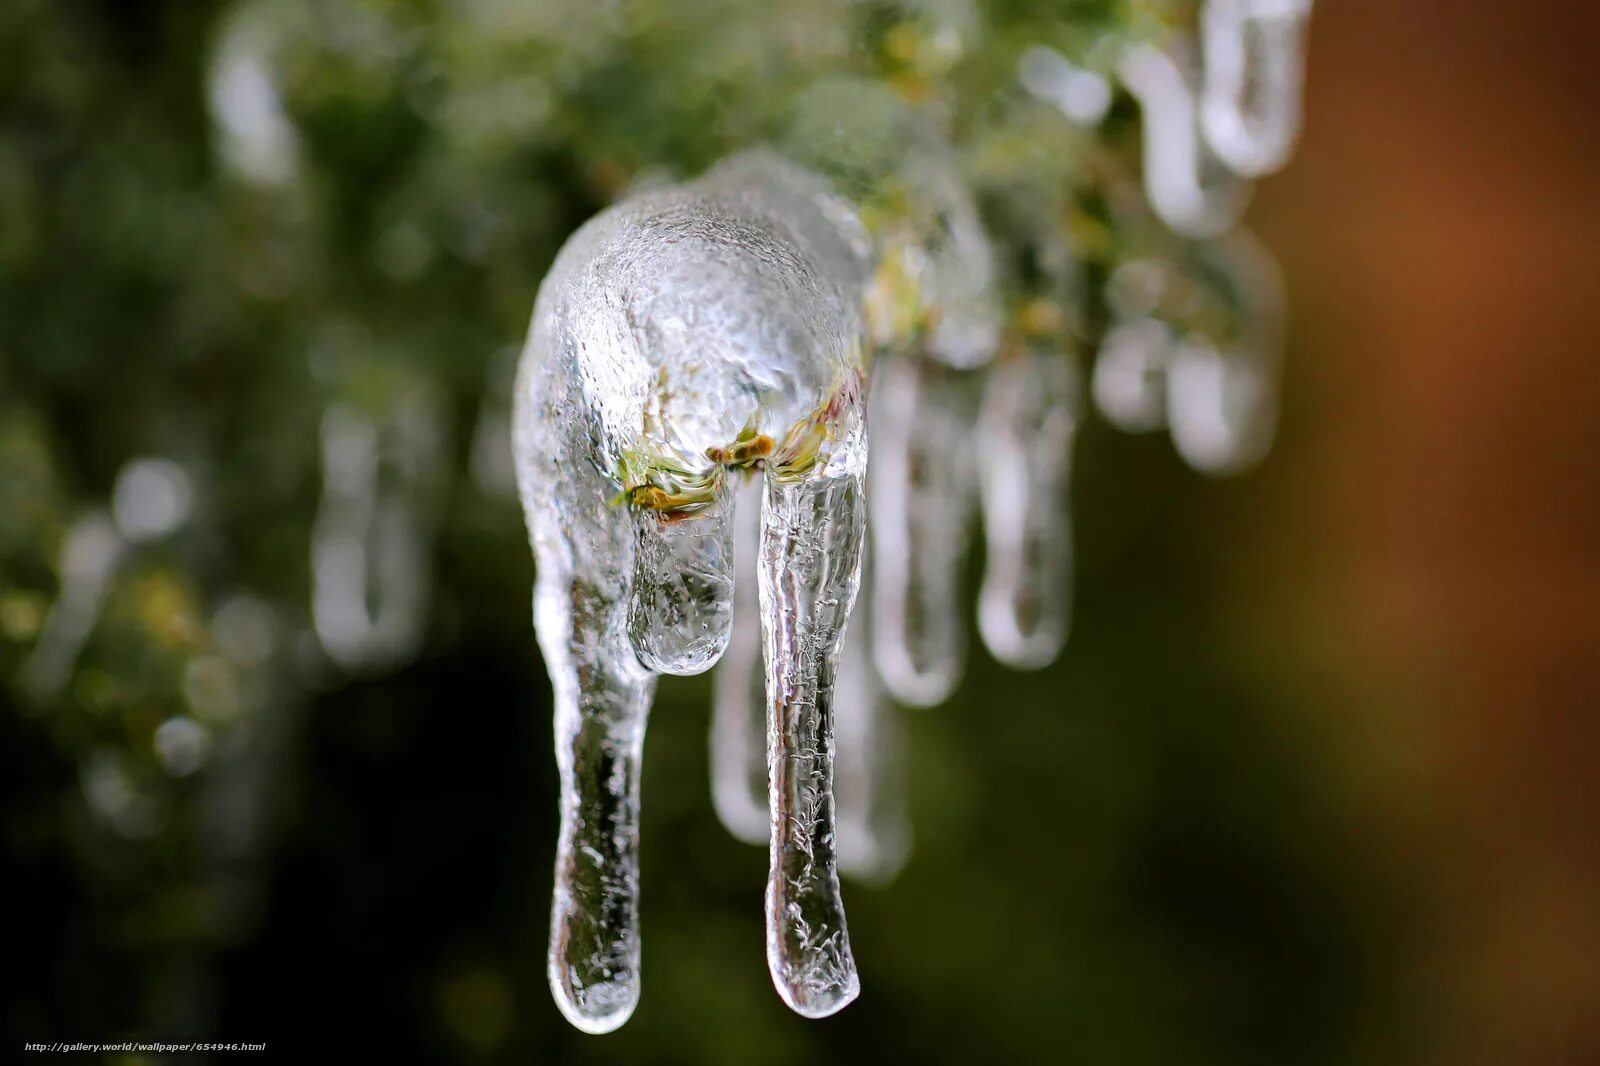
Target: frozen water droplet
x=1029 y=418
x=682 y=607
x=1254 y=73
x=923 y=488
x=1191 y=191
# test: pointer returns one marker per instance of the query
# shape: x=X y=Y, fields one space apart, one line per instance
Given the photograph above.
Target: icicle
x=1129 y=382
x=1029 y=418
x=1183 y=182
x=1250 y=109
x=811 y=545
x=682 y=337
x=1222 y=400
x=371 y=579
x=1130 y=372
x=923 y=488
x=739 y=692
x=870 y=766
x=869 y=792
x=151 y=499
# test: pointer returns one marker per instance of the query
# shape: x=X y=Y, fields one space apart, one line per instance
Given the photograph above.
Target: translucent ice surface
x=681 y=610
x=681 y=338
x=1029 y=417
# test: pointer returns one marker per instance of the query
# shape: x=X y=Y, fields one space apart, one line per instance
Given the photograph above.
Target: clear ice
x=812 y=533
x=1130 y=375
x=682 y=338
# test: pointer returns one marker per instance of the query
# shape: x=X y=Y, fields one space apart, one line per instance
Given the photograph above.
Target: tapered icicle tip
x=597 y=1009
x=819 y=990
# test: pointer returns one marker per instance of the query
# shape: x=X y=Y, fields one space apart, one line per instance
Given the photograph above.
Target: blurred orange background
x=1437 y=492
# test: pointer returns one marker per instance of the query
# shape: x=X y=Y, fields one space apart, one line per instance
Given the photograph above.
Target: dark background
x=1312 y=783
